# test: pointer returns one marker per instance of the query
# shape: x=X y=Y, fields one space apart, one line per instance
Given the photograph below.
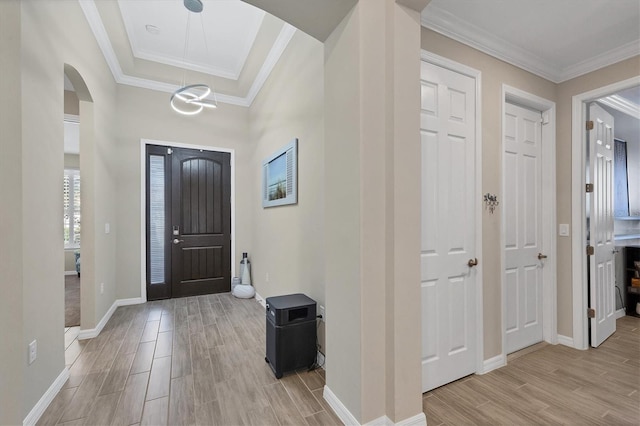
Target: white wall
x=287 y=242
x=12 y=384
x=35 y=151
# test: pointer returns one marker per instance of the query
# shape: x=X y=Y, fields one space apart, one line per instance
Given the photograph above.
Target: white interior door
x=600 y=214
x=447 y=121
x=522 y=226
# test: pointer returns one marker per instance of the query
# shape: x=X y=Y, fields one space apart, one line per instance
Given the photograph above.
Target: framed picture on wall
x=280 y=176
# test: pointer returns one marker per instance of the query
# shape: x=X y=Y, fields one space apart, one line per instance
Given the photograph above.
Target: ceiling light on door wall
x=191 y=99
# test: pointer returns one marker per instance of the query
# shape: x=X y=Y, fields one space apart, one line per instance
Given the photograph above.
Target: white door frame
x=578 y=205
x=143 y=204
x=476 y=75
x=549 y=239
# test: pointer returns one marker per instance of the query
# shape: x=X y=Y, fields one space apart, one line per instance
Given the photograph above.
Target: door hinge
x=589 y=187
x=591 y=313
x=169 y=151
x=590 y=251
x=590 y=125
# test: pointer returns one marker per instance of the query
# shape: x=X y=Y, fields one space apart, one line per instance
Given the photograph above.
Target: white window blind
x=71 y=203
x=157 y=235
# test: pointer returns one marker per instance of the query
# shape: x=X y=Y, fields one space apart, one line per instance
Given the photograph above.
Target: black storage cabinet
x=291 y=333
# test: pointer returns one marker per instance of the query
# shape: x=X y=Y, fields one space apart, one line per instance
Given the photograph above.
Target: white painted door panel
x=523 y=226
x=449 y=349
x=600 y=202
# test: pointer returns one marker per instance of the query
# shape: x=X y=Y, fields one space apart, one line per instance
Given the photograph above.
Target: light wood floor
x=201 y=361
x=197 y=360
x=550 y=385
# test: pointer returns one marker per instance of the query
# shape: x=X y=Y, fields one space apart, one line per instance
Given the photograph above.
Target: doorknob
x=177 y=241
x=542 y=256
x=615 y=250
x=472 y=262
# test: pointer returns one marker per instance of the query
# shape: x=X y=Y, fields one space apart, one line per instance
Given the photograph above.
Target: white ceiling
x=219 y=38
x=243 y=44
x=555 y=39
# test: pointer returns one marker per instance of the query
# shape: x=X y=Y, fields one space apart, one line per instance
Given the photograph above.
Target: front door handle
x=472 y=262
x=177 y=241
x=541 y=256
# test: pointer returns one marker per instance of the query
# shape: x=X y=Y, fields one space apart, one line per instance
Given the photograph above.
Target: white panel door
x=600 y=202
x=522 y=226
x=447 y=122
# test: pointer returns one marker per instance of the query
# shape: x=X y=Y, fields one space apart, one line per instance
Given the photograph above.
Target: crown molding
x=281 y=43
x=441 y=21
x=621 y=104
x=97 y=27
x=621 y=53
x=449 y=25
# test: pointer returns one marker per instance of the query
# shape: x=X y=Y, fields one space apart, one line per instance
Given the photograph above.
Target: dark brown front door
x=198 y=224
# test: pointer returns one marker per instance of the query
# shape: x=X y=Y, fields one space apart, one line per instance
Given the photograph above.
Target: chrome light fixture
x=191 y=99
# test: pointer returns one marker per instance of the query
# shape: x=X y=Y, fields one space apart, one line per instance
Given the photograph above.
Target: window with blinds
x=157 y=235
x=71 y=204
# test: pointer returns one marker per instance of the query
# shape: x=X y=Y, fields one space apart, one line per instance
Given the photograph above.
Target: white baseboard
x=38 y=409
x=93 y=332
x=132 y=301
x=620 y=313
x=321 y=360
x=493 y=363
x=348 y=419
x=260 y=300
x=381 y=421
x=70 y=273
x=417 y=420
x=338 y=407
x=566 y=341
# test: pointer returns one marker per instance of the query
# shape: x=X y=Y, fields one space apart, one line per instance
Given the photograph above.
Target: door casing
x=143 y=210
x=579 y=264
x=443 y=62
x=549 y=240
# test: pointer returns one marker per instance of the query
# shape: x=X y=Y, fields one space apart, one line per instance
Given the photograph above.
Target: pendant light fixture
x=191 y=99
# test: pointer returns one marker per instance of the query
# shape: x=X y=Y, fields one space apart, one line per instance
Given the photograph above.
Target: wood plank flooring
x=200 y=360
x=190 y=361
x=550 y=384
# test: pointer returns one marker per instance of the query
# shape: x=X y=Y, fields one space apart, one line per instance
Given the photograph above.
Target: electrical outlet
x=33 y=351
x=323 y=313
x=107 y=228
x=101 y=288
x=266 y=277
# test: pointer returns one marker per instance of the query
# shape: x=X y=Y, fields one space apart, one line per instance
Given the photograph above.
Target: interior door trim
x=580 y=338
x=143 y=210
x=549 y=239
x=475 y=74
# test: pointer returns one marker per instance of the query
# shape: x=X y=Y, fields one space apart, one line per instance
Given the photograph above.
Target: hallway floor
x=550 y=384
x=196 y=360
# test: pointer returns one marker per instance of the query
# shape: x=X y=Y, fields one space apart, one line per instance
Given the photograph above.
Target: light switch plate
x=563 y=229
x=33 y=351
x=107 y=228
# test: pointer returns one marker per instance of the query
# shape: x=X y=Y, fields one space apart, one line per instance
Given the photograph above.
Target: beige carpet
x=71 y=300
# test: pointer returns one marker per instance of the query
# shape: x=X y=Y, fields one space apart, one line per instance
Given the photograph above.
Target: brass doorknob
x=472 y=262
x=542 y=256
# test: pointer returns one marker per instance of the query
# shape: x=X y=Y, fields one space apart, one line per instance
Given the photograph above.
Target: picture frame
x=280 y=176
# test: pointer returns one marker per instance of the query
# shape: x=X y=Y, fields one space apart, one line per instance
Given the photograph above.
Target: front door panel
x=188 y=222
